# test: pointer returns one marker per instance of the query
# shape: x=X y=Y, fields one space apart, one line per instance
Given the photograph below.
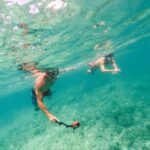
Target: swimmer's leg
x=27 y=67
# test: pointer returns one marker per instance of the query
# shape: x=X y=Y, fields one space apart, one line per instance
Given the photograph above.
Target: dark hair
x=52 y=71
x=108 y=58
x=109 y=55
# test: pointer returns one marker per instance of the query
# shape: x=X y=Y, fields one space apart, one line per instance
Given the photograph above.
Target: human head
x=109 y=57
x=52 y=72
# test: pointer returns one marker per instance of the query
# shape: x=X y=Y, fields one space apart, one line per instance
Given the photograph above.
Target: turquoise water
x=113 y=109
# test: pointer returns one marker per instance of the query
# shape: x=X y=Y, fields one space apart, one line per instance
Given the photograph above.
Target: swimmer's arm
x=29 y=68
x=115 y=65
x=66 y=69
x=104 y=69
x=44 y=109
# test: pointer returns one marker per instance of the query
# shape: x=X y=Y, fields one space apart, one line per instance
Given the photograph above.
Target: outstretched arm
x=29 y=67
x=43 y=107
x=104 y=69
x=115 y=66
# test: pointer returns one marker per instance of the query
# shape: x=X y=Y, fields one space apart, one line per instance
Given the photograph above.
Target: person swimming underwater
x=102 y=63
x=43 y=83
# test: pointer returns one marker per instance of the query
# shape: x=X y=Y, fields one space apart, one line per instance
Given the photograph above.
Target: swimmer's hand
x=117 y=70
x=52 y=118
x=89 y=71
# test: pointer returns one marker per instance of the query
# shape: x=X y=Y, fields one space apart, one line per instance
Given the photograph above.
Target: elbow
x=103 y=69
x=40 y=104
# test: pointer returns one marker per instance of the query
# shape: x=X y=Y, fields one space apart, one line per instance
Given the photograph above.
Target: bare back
x=43 y=83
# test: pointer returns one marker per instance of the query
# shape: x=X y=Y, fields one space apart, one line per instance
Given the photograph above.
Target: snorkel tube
x=74 y=125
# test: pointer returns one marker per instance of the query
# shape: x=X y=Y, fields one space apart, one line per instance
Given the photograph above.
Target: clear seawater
x=114 y=110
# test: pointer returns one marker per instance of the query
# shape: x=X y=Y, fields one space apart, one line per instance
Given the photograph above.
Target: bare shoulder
x=100 y=60
x=37 y=73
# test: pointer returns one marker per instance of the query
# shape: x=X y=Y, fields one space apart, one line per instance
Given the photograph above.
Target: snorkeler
x=102 y=63
x=43 y=83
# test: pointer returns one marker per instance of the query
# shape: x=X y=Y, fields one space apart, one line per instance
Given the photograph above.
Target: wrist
x=48 y=115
